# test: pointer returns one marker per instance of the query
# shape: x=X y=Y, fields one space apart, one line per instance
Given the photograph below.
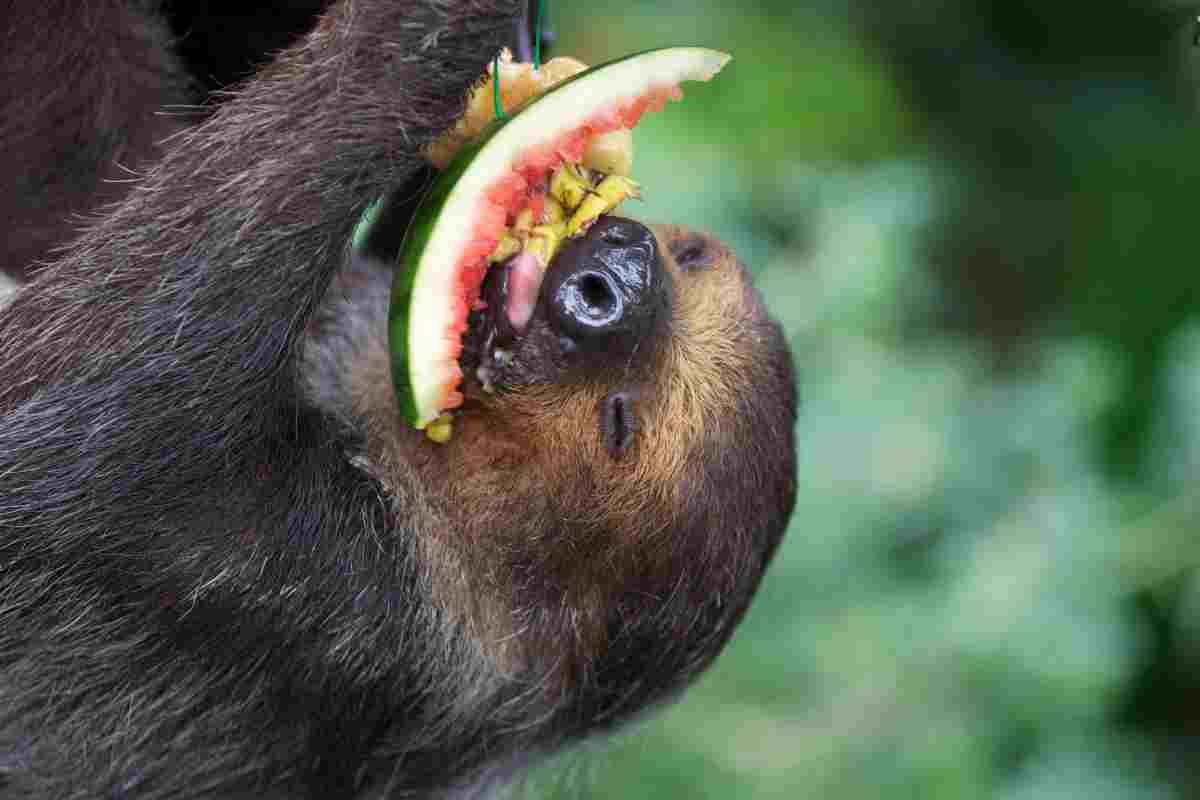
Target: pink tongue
x=524 y=281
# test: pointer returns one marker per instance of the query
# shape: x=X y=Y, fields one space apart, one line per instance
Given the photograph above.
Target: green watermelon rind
x=433 y=244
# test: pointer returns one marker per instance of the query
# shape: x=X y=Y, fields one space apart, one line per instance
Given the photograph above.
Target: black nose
x=607 y=285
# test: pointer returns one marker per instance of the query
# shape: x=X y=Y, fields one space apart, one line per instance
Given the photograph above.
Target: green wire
x=359 y=237
x=537 y=60
x=537 y=36
x=496 y=87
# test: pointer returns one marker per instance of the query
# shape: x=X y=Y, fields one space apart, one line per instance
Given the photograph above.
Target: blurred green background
x=975 y=221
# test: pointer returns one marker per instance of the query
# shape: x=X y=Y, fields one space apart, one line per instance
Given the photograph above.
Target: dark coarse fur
x=225 y=570
x=82 y=91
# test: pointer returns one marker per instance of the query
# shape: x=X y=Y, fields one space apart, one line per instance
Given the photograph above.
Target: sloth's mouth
x=602 y=293
x=491 y=334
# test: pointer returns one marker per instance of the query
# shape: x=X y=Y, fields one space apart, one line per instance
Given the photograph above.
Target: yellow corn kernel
x=441 y=429
x=608 y=195
x=570 y=185
x=507 y=247
x=611 y=153
x=544 y=241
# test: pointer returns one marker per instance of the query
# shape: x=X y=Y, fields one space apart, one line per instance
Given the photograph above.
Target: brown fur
x=525 y=462
x=120 y=79
x=228 y=569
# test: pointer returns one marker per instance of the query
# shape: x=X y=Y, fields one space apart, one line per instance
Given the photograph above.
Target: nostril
x=597 y=294
x=605 y=288
x=588 y=304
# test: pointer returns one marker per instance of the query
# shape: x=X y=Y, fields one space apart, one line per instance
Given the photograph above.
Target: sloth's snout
x=607 y=285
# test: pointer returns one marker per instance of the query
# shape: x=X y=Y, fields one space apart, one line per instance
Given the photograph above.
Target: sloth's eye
x=618 y=423
x=690 y=253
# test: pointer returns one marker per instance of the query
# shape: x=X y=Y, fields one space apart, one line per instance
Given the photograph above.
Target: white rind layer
x=560 y=110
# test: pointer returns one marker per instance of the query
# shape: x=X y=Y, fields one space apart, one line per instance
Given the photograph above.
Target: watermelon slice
x=481 y=192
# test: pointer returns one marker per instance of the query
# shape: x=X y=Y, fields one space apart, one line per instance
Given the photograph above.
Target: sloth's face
x=644 y=344
x=632 y=446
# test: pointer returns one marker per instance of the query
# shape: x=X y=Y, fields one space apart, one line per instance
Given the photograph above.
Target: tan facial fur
x=543 y=528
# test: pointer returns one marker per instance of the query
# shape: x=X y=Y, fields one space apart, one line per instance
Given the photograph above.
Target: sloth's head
x=620 y=472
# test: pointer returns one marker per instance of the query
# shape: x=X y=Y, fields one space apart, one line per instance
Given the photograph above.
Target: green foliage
x=952 y=614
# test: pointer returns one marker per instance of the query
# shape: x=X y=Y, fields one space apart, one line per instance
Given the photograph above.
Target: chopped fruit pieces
x=441 y=429
x=544 y=241
x=607 y=195
x=611 y=153
x=506 y=248
x=570 y=186
x=513 y=196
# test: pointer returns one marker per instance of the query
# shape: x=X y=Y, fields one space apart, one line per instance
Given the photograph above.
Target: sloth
x=227 y=568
